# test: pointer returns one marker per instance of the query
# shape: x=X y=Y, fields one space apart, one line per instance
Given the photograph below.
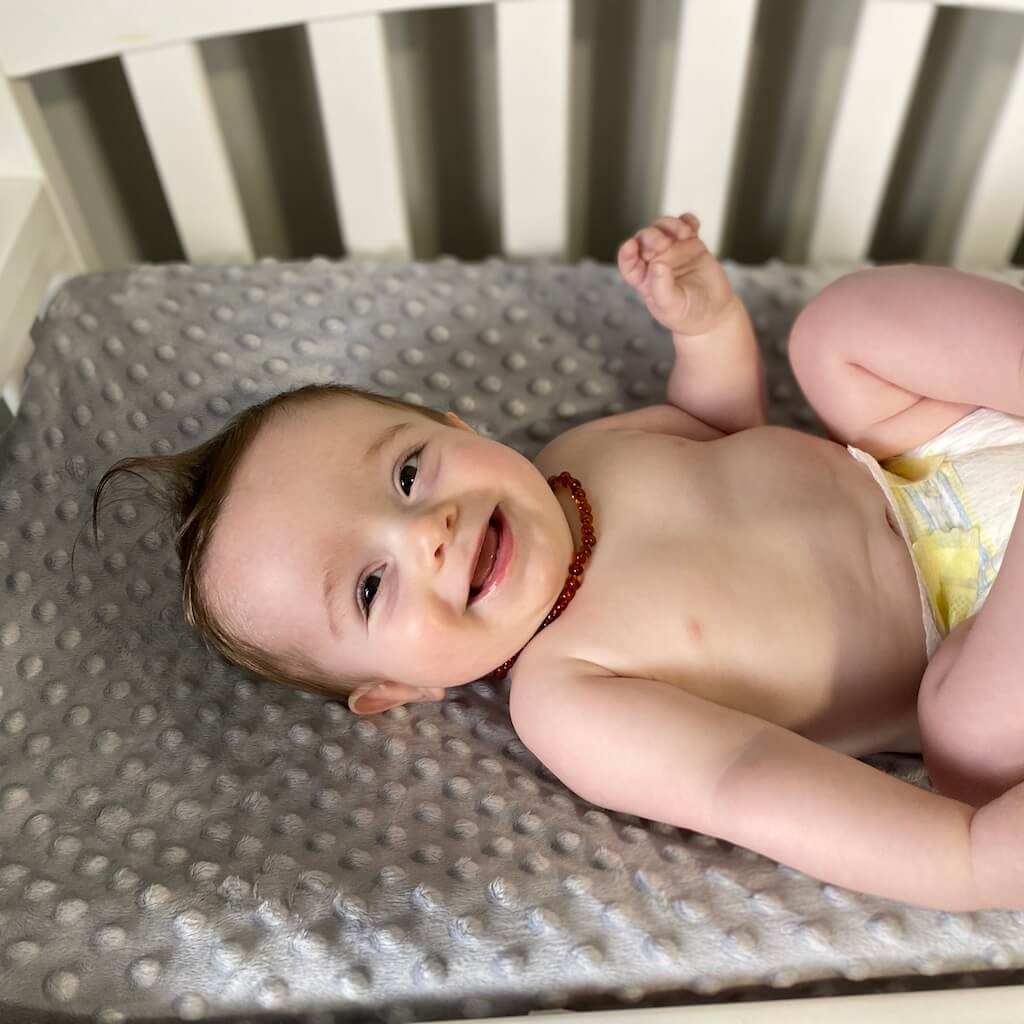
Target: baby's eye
x=364 y=588
x=401 y=471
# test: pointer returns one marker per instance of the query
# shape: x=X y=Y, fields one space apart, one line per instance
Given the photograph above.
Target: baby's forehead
x=334 y=410
x=342 y=424
x=344 y=433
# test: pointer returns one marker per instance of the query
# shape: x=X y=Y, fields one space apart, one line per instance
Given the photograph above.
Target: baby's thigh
x=954 y=760
x=941 y=662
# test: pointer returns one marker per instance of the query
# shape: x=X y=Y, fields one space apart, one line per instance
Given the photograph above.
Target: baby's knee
x=815 y=329
x=844 y=308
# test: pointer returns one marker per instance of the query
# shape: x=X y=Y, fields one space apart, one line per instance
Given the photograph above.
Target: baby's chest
x=696 y=599
x=725 y=579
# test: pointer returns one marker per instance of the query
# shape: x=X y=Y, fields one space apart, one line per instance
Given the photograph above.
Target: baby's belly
x=814 y=644
x=802 y=611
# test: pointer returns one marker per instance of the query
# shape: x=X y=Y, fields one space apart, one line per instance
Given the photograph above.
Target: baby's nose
x=437 y=531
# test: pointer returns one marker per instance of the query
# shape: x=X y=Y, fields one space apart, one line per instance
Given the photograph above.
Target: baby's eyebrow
x=330 y=586
x=385 y=438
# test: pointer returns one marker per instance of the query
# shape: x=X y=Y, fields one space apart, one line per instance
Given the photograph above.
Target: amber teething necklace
x=575 y=575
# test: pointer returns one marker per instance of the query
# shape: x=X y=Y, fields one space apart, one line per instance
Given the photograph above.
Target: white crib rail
x=533 y=101
x=882 y=72
x=176 y=110
x=37 y=234
x=156 y=45
x=994 y=211
x=713 y=55
x=880 y=78
x=350 y=65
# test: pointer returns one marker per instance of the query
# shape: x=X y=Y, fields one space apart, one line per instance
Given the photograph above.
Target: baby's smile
x=494 y=556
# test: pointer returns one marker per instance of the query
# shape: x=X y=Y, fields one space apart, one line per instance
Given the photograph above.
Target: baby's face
x=396 y=531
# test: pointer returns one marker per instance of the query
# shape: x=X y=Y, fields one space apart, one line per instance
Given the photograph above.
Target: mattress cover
x=180 y=839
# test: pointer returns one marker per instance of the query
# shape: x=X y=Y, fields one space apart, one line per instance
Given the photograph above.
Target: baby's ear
x=456 y=422
x=376 y=698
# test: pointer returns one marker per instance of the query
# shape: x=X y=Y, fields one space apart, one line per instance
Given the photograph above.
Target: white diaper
x=956 y=498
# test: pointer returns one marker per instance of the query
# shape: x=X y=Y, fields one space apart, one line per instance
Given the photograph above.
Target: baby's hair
x=195 y=484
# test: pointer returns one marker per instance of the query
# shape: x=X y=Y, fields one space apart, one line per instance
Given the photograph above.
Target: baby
x=750 y=608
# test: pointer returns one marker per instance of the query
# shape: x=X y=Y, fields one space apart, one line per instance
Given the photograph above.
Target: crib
x=182 y=841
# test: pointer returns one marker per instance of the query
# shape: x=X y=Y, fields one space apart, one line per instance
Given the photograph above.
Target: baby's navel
x=891 y=520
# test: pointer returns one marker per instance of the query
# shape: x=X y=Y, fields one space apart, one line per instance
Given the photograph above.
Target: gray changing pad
x=180 y=839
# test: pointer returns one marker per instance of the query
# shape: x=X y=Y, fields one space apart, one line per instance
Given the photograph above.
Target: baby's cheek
x=487 y=461
x=436 y=648
x=417 y=639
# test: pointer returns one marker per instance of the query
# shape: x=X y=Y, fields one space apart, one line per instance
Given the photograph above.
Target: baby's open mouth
x=488 y=557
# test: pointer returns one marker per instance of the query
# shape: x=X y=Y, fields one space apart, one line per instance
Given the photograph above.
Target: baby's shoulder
x=571 y=442
x=599 y=439
x=663 y=419
x=544 y=668
x=581 y=451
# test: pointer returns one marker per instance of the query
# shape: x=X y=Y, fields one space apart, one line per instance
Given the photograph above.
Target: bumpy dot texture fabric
x=179 y=839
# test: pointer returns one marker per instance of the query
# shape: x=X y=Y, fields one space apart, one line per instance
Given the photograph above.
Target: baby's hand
x=681 y=283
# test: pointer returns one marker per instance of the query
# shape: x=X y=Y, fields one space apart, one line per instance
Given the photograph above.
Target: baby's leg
x=891 y=356
x=971 y=702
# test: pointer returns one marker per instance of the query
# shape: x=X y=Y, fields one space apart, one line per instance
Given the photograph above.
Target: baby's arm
x=718 y=375
x=647 y=748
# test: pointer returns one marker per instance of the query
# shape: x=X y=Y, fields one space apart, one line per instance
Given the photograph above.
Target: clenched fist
x=683 y=286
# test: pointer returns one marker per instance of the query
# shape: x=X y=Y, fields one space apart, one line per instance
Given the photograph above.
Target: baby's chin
x=469 y=674
x=469 y=670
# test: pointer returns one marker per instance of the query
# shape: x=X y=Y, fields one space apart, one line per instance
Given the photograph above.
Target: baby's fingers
x=630 y=265
x=653 y=241
x=679 y=228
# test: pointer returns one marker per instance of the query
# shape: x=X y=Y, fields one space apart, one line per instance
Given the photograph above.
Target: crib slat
x=884 y=63
x=33 y=248
x=350 y=65
x=17 y=155
x=994 y=213
x=534 y=47
x=176 y=110
x=27 y=151
x=712 y=58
